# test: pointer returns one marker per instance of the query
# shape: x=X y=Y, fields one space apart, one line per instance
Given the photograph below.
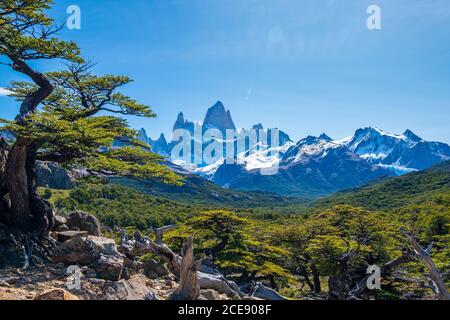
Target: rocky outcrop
x=218 y=118
x=183 y=124
x=153 y=269
x=99 y=252
x=52 y=175
x=109 y=267
x=50 y=283
x=59 y=221
x=82 y=221
x=84 y=250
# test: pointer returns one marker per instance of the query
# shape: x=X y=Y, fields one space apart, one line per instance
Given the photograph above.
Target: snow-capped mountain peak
x=400 y=152
x=412 y=136
x=314 y=162
x=311 y=146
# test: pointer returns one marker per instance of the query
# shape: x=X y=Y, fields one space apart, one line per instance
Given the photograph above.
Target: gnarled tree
x=27 y=34
x=70 y=117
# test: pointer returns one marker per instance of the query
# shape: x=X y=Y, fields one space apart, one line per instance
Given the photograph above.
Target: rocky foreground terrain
x=50 y=283
x=84 y=265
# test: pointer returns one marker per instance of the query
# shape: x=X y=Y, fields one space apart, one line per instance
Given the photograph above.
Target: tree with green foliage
x=77 y=124
x=340 y=243
x=231 y=244
x=430 y=221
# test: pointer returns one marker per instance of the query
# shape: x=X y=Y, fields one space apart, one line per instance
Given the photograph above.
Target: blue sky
x=304 y=66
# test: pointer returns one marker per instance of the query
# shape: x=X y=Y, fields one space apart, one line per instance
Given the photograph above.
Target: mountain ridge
x=313 y=166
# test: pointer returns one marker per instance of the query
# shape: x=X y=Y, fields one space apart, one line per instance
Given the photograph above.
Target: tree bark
x=25 y=209
x=338 y=286
x=137 y=249
x=17 y=185
x=160 y=232
x=316 y=279
x=303 y=271
x=189 y=288
x=4 y=202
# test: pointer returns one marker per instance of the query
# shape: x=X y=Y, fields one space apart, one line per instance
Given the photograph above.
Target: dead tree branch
x=189 y=288
x=439 y=284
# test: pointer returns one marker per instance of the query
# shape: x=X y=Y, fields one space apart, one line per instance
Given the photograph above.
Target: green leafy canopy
x=80 y=121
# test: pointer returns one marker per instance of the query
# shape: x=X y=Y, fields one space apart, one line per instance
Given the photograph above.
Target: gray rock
x=84 y=250
x=79 y=220
x=52 y=175
x=59 y=221
x=67 y=235
x=153 y=269
x=109 y=267
x=136 y=288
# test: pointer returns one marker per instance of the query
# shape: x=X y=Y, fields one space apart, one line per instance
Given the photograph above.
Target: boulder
x=59 y=221
x=56 y=294
x=67 y=235
x=84 y=250
x=154 y=269
x=79 y=220
x=109 y=267
x=52 y=175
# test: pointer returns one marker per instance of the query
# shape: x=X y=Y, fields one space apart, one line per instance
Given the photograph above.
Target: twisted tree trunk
x=24 y=208
x=4 y=203
x=189 y=288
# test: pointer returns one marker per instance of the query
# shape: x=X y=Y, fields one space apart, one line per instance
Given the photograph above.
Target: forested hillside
x=396 y=192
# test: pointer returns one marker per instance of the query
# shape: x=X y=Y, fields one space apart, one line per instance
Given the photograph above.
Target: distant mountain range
x=312 y=167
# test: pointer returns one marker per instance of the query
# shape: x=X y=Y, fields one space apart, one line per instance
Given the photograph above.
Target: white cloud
x=4 y=92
